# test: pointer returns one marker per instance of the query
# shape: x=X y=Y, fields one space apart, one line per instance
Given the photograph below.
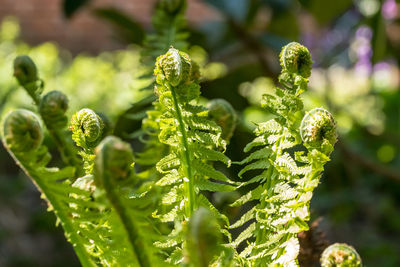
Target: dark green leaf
x=71 y=6
x=130 y=30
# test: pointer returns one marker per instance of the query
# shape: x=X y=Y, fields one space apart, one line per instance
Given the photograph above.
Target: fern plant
x=52 y=108
x=116 y=215
x=194 y=142
x=169 y=26
x=285 y=173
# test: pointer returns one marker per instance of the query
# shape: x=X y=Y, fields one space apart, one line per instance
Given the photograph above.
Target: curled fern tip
x=25 y=70
x=295 y=58
x=22 y=131
x=204 y=238
x=175 y=66
x=115 y=156
x=318 y=125
x=340 y=255
x=52 y=108
x=87 y=128
x=220 y=111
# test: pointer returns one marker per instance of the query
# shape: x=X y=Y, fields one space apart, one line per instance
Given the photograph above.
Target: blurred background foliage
x=355 y=45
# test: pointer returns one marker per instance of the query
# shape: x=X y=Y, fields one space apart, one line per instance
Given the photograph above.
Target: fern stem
x=268 y=185
x=130 y=227
x=66 y=150
x=70 y=232
x=189 y=185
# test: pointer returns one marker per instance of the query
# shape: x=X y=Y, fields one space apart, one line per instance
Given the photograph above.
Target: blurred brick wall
x=43 y=20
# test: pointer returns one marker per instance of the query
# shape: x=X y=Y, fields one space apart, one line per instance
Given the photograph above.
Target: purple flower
x=389 y=9
x=364 y=32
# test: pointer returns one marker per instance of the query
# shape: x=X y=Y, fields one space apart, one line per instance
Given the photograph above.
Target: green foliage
x=286 y=178
x=114 y=175
x=169 y=29
x=108 y=82
x=51 y=107
x=194 y=142
x=82 y=219
x=162 y=213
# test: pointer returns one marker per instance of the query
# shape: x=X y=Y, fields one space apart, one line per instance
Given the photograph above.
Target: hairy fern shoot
x=159 y=214
x=195 y=141
x=286 y=174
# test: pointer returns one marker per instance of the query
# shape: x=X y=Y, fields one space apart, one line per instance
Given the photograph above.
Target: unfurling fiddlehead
x=175 y=67
x=52 y=108
x=22 y=131
x=285 y=183
x=114 y=174
x=87 y=128
x=296 y=59
x=27 y=75
x=25 y=70
x=87 y=132
x=114 y=159
x=194 y=141
x=220 y=111
x=22 y=136
x=296 y=66
x=203 y=238
x=318 y=128
x=340 y=255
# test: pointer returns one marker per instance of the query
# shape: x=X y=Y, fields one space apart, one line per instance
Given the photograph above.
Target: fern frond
x=194 y=141
x=52 y=108
x=285 y=183
x=87 y=232
x=87 y=131
x=169 y=26
x=113 y=174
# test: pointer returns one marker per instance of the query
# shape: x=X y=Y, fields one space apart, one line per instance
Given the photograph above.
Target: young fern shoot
x=114 y=216
x=340 y=255
x=51 y=107
x=114 y=175
x=287 y=174
x=87 y=132
x=194 y=140
x=169 y=25
x=22 y=137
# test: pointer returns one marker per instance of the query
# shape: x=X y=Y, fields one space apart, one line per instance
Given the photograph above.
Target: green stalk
x=129 y=225
x=67 y=152
x=189 y=185
x=70 y=232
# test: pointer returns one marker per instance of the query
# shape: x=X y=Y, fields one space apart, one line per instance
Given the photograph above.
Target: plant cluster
x=152 y=207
